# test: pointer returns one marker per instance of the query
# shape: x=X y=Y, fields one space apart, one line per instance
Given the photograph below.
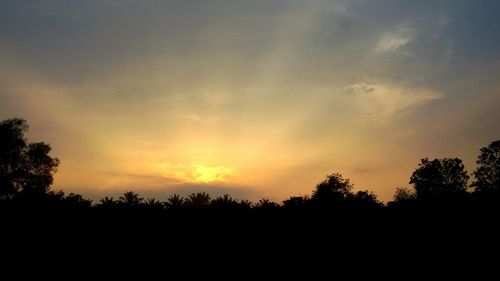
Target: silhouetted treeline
x=26 y=173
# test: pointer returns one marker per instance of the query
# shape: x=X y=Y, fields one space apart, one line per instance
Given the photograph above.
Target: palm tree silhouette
x=107 y=202
x=245 y=204
x=266 y=204
x=224 y=201
x=130 y=198
x=198 y=200
x=153 y=203
x=175 y=201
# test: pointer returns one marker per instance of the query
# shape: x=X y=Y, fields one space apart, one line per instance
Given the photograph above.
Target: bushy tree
x=487 y=173
x=296 y=202
x=25 y=168
x=364 y=199
x=334 y=190
x=439 y=179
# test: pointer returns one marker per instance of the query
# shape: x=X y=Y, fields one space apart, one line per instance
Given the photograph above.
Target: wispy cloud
x=383 y=101
x=396 y=39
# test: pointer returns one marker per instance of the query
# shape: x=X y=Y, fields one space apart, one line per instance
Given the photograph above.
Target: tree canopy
x=487 y=174
x=439 y=178
x=25 y=168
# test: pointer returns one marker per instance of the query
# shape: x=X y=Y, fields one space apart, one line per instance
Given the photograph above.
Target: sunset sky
x=255 y=98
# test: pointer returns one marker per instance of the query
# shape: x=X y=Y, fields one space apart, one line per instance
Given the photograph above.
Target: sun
x=194 y=172
x=205 y=174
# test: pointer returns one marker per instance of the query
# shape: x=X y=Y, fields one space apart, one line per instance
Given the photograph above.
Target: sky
x=258 y=99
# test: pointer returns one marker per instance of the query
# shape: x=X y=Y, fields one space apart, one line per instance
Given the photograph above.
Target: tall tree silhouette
x=25 y=168
x=487 y=173
x=440 y=179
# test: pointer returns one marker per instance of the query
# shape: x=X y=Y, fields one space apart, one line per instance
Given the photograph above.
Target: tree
x=403 y=194
x=487 y=173
x=296 y=202
x=245 y=204
x=403 y=198
x=130 y=198
x=440 y=179
x=152 y=203
x=266 y=204
x=107 y=202
x=363 y=199
x=198 y=200
x=25 y=168
x=334 y=189
x=76 y=201
x=174 y=202
x=225 y=202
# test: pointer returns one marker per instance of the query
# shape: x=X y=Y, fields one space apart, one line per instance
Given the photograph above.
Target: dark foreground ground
x=412 y=241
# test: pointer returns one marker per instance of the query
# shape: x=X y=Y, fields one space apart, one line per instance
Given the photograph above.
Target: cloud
x=394 y=40
x=383 y=101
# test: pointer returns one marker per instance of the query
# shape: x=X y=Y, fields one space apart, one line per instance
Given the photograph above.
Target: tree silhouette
x=266 y=204
x=296 y=202
x=332 y=191
x=38 y=169
x=225 y=202
x=152 y=203
x=76 y=200
x=403 y=197
x=174 y=202
x=403 y=194
x=245 y=204
x=198 y=200
x=130 y=198
x=439 y=179
x=487 y=173
x=363 y=199
x=24 y=168
x=107 y=202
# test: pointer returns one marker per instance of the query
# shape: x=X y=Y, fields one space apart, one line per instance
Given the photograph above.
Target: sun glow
x=205 y=174
x=194 y=173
